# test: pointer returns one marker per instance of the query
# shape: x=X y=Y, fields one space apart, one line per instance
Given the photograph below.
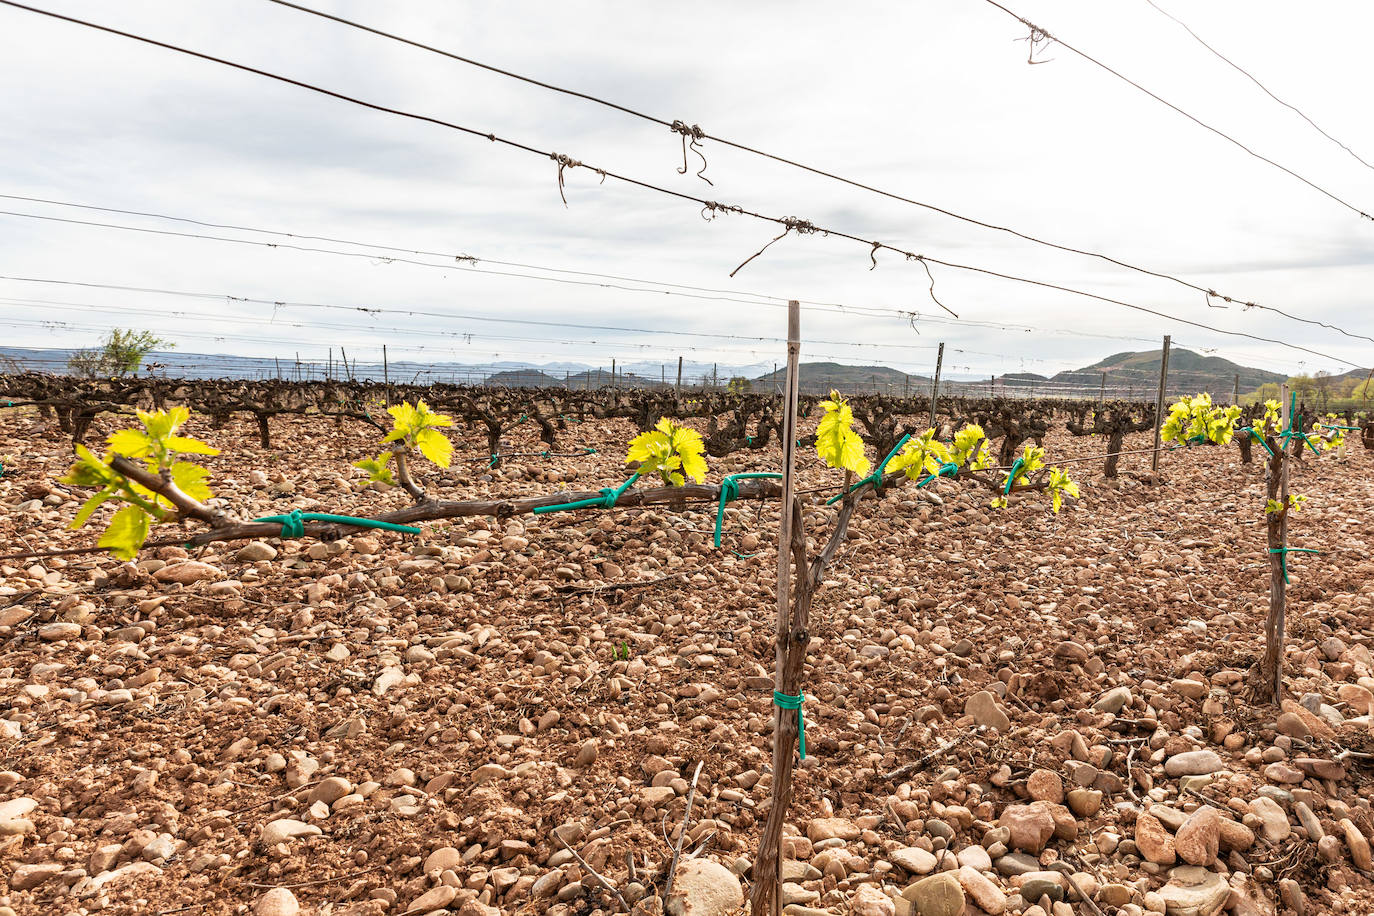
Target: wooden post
x=715 y=376
x=1235 y=400
x=678 y=386
x=992 y=386
x=1159 y=402
x=613 y=372
x=765 y=896
x=1276 y=525
x=1102 y=390
x=277 y=362
x=386 y=375
x=935 y=385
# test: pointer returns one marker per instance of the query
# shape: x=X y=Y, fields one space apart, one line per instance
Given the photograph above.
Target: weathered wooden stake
x=678 y=386
x=764 y=897
x=386 y=375
x=1276 y=526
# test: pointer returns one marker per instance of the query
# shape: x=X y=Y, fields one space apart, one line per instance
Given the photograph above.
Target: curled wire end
x=762 y=250
x=872 y=254
x=692 y=134
x=1038 y=39
x=936 y=299
x=565 y=162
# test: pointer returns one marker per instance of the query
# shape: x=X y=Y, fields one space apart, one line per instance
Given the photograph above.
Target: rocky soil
x=1007 y=711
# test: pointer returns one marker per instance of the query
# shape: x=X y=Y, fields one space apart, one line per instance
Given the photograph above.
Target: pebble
x=279 y=901
x=1193 y=763
x=985 y=711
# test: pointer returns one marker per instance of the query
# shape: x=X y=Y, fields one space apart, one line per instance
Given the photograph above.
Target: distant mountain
x=524 y=378
x=819 y=378
x=1134 y=375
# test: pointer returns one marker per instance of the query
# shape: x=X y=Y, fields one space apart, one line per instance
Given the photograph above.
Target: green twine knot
x=293 y=523
x=1011 y=478
x=1283 y=556
x=876 y=478
x=1258 y=438
x=729 y=492
x=787 y=701
x=948 y=469
x=607 y=500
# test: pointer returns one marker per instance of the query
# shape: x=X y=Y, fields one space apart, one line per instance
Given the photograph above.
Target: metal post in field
x=1159 y=402
x=935 y=384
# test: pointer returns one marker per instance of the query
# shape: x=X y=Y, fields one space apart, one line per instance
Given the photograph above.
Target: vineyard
x=387 y=649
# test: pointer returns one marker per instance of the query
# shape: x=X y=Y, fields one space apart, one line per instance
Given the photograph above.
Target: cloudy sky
x=931 y=100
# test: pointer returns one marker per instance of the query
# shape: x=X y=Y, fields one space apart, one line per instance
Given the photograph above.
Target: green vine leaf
x=673 y=452
x=836 y=442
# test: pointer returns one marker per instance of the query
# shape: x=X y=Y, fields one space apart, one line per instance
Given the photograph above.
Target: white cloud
x=931 y=100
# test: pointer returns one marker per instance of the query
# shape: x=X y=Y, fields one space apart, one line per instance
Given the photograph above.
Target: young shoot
x=157 y=446
x=673 y=452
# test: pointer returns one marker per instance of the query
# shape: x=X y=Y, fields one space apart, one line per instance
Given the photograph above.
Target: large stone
x=27 y=877
x=436 y=898
x=256 y=551
x=1359 y=846
x=1274 y=824
x=1197 y=840
x=1031 y=826
x=987 y=895
x=1113 y=700
x=938 y=895
x=985 y=711
x=1194 y=891
x=1045 y=785
x=279 y=831
x=704 y=888
x=330 y=790
x=1193 y=763
x=278 y=901
x=869 y=901
x=188 y=572
x=1153 y=840
x=831 y=828
x=914 y=859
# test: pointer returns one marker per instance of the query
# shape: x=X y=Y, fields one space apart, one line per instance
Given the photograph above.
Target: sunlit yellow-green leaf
x=377 y=468
x=91 y=505
x=435 y=446
x=836 y=442
x=126 y=534
x=189 y=446
x=190 y=479
x=673 y=452
x=131 y=443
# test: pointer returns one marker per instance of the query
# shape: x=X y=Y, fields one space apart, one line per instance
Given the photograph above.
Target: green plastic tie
x=729 y=492
x=876 y=478
x=948 y=469
x=1011 y=478
x=1258 y=438
x=1334 y=426
x=293 y=523
x=787 y=701
x=606 y=500
x=1283 y=553
x=494 y=459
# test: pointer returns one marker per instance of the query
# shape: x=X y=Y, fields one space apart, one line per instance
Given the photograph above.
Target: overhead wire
x=1047 y=36
x=697 y=133
x=789 y=223
x=1263 y=88
x=468 y=262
